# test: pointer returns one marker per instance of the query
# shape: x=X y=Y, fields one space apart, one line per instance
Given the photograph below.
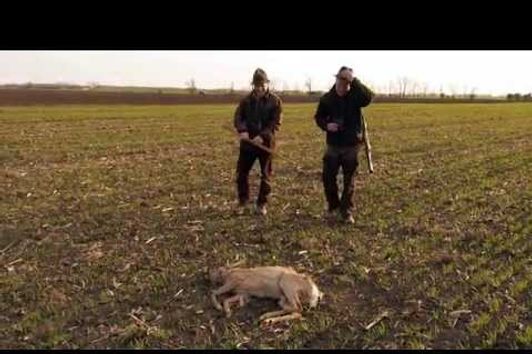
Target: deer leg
x=228 y=301
x=288 y=309
x=289 y=302
x=221 y=290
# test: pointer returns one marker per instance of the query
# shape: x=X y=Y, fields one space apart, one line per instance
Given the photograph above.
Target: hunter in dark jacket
x=257 y=118
x=339 y=115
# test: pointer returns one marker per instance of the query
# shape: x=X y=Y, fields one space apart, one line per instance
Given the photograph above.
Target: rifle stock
x=367 y=145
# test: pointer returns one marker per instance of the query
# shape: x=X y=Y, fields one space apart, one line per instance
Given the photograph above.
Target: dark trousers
x=246 y=159
x=334 y=158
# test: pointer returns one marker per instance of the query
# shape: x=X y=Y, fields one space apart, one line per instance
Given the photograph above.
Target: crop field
x=111 y=215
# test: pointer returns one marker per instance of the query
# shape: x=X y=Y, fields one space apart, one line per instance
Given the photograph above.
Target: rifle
x=367 y=144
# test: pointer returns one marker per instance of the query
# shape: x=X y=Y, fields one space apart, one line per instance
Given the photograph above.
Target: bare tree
x=424 y=89
x=403 y=83
x=308 y=85
x=399 y=87
x=465 y=87
x=413 y=88
x=273 y=84
x=391 y=88
x=453 y=89
x=285 y=86
x=232 y=89
x=191 y=85
x=472 y=94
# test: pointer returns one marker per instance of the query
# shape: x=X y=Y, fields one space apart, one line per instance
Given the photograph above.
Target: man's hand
x=258 y=139
x=332 y=127
x=243 y=135
x=360 y=137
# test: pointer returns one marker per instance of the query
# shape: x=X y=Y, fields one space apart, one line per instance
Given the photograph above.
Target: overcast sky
x=489 y=72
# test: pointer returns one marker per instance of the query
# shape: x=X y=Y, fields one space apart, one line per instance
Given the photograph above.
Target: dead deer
x=292 y=289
